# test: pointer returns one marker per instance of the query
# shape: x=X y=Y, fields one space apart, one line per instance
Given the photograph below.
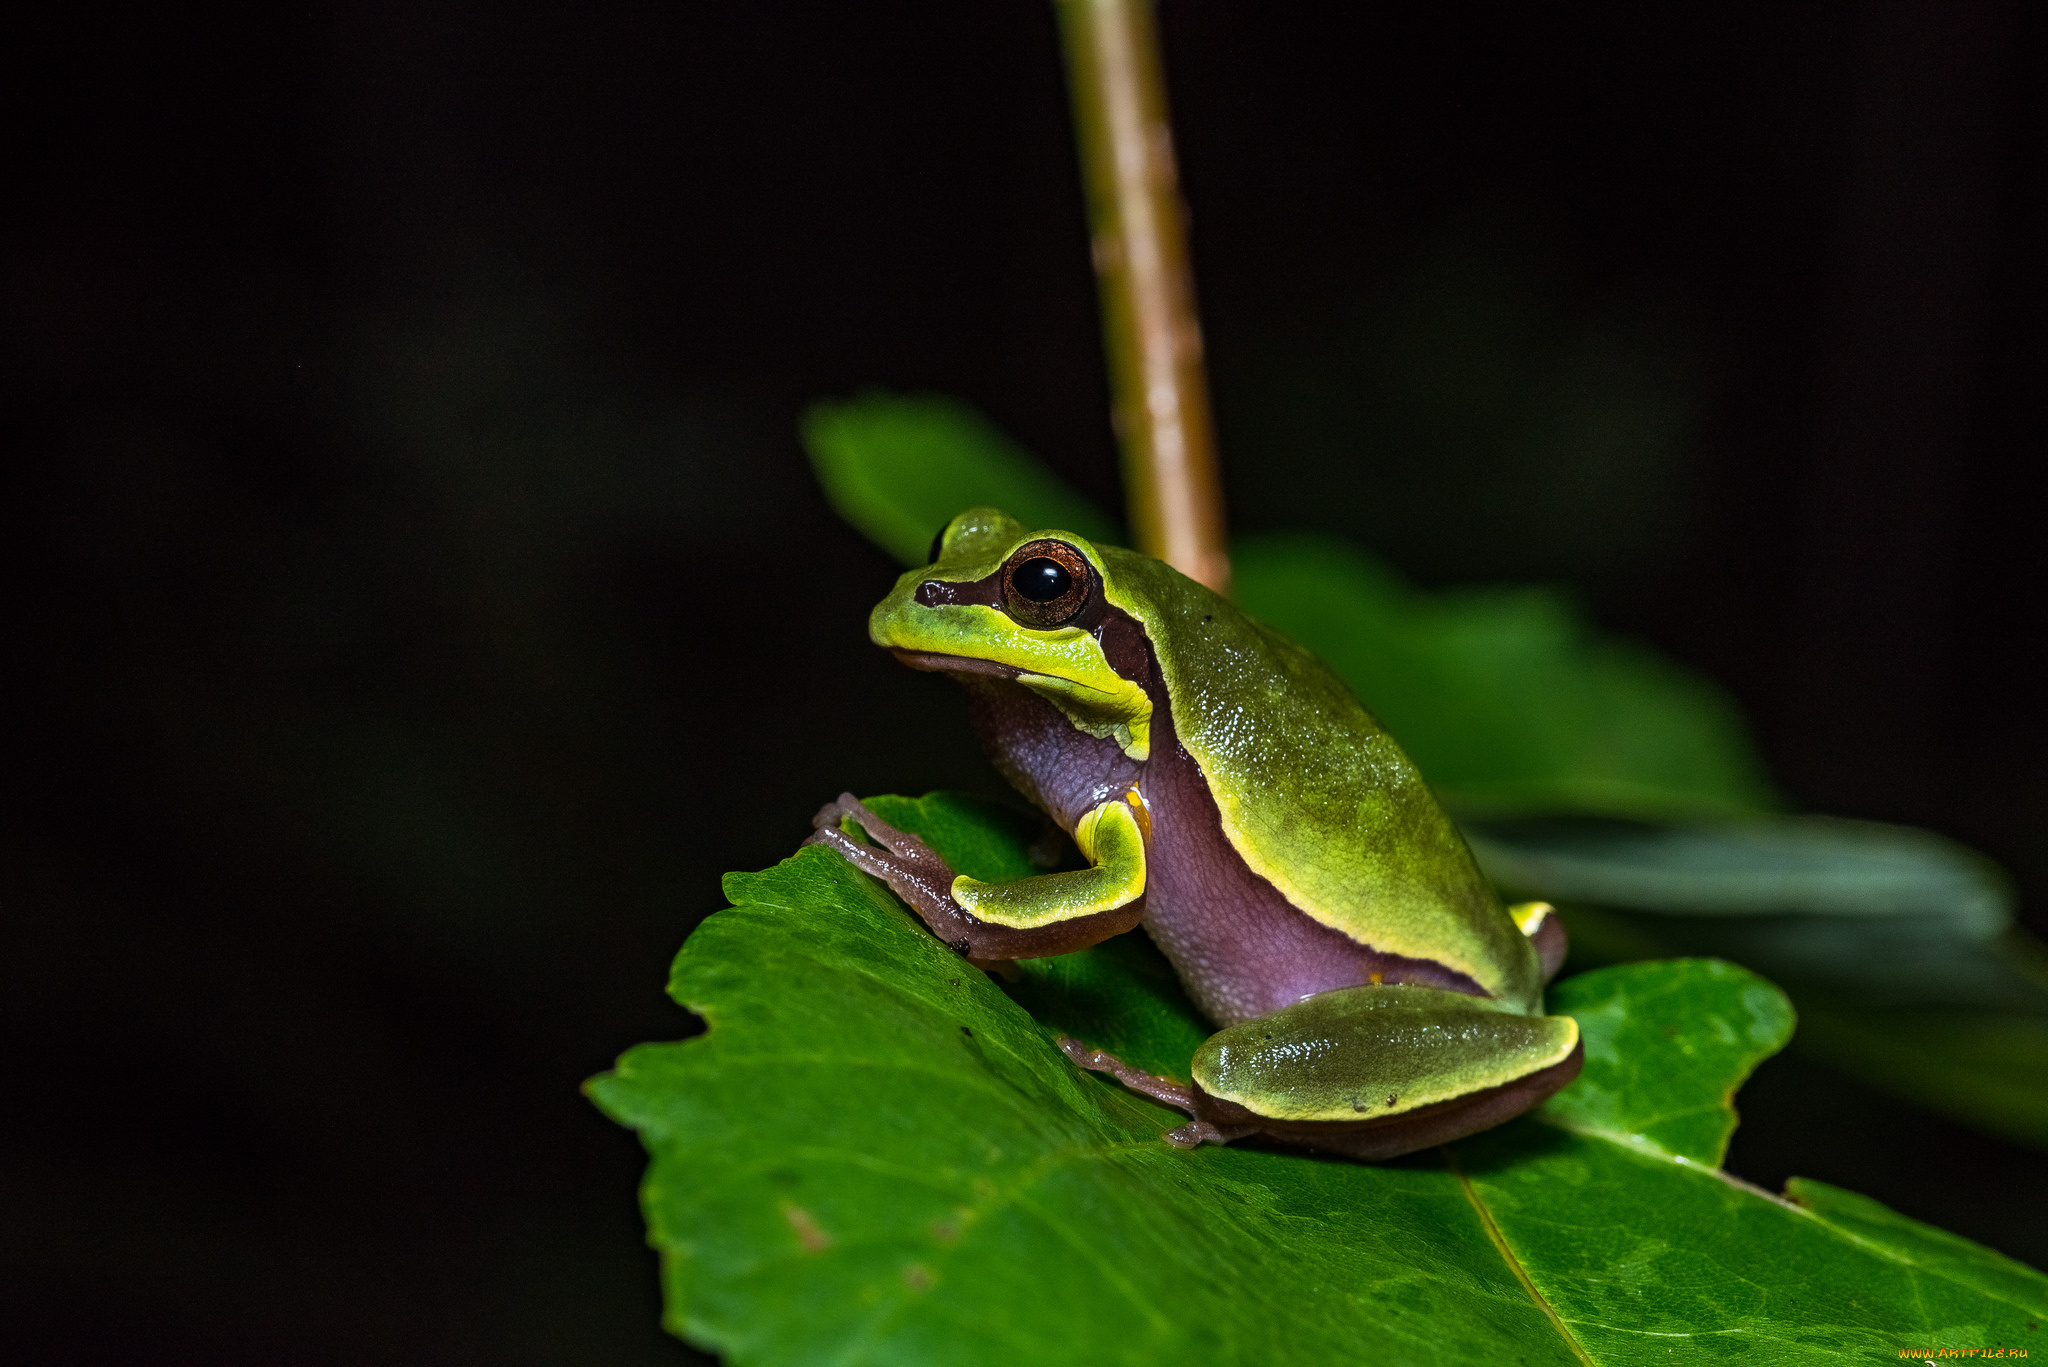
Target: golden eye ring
x=1046 y=583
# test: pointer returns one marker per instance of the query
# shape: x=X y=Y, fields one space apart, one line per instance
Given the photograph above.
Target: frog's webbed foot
x=926 y=882
x=912 y=869
x=1163 y=1090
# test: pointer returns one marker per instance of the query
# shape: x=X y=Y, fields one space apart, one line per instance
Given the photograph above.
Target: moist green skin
x=1315 y=796
x=1310 y=795
x=1429 y=1047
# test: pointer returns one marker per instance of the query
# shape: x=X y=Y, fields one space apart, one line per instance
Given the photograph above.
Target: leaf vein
x=1507 y=1254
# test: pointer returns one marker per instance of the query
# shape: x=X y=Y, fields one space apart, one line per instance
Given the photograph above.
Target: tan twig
x=1148 y=296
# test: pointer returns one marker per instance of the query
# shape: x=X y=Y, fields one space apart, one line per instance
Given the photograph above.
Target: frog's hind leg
x=1163 y=1090
x=1377 y=1072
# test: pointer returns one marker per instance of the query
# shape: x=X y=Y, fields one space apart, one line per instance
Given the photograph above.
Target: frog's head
x=999 y=599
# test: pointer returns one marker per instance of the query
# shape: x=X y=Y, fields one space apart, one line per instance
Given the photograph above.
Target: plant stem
x=1139 y=230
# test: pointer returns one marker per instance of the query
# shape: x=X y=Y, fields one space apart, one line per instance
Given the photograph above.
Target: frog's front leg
x=1371 y=1072
x=1025 y=918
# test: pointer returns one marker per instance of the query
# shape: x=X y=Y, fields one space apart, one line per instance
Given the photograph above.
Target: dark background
x=415 y=596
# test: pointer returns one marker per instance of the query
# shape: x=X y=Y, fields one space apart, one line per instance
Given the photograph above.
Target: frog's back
x=1312 y=792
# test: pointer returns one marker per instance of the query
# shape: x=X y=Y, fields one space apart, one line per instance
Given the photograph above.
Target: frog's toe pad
x=1196 y=1133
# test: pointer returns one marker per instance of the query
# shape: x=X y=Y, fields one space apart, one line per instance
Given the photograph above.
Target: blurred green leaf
x=1506 y=701
x=1986 y=1068
x=1891 y=913
x=1897 y=945
x=1814 y=866
x=876 y=1155
x=900 y=467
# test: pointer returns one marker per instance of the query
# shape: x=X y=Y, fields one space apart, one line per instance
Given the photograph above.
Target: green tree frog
x=1230 y=795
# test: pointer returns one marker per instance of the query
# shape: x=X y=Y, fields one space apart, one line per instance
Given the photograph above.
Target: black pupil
x=1041 y=580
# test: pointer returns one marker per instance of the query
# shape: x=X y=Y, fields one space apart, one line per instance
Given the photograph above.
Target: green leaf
x=1804 y=866
x=1713 y=1021
x=1504 y=699
x=1887 y=913
x=900 y=467
x=1121 y=996
x=1986 y=1067
x=876 y=1155
x=1956 y=1259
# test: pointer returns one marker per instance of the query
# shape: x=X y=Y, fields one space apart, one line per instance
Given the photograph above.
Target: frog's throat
x=1121 y=713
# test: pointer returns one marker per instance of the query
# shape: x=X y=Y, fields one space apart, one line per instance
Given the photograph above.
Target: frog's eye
x=1042 y=580
x=1046 y=582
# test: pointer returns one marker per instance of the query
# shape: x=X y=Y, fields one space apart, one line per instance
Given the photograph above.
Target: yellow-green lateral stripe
x=1360 y=1053
x=1115 y=847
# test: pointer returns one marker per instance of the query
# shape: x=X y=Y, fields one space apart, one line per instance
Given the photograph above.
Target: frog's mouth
x=934 y=662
